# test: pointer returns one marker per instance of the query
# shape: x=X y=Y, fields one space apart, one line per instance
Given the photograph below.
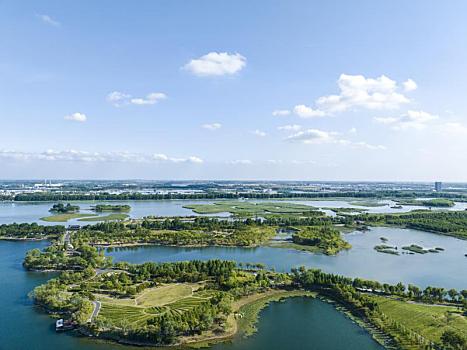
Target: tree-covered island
x=111 y=208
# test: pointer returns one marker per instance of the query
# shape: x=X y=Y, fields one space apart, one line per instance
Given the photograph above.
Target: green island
x=64 y=209
x=112 y=208
x=434 y=202
x=325 y=238
x=250 y=209
x=387 y=249
x=202 y=302
x=314 y=234
x=66 y=217
x=64 y=213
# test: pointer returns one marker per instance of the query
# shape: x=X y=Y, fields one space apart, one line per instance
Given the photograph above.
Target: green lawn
x=172 y=298
x=166 y=294
x=250 y=208
x=65 y=217
x=109 y=217
x=430 y=321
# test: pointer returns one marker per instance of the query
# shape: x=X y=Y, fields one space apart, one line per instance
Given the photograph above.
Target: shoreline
x=236 y=327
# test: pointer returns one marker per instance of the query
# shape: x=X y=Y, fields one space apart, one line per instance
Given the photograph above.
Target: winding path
x=95 y=312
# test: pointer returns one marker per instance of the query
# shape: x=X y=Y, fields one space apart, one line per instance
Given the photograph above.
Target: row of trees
x=312 y=277
x=51 y=196
x=447 y=222
x=349 y=292
x=33 y=230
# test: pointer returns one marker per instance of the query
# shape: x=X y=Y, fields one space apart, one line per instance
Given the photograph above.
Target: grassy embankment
x=83 y=217
x=110 y=217
x=65 y=217
x=430 y=321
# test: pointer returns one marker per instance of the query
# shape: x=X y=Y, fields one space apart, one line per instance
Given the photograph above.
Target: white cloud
x=196 y=160
x=281 y=112
x=274 y=161
x=307 y=112
x=366 y=145
x=49 y=20
x=313 y=136
x=103 y=157
x=410 y=120
x=410 y=85
x=259 y=133
x=292 y=127
x=119 y=99
x=240 y=161
x=316 y=136
x=216 y=64
x=77 y=117
x=353 y=130
x=356 y=91
x=150 y=99
x=212 y=126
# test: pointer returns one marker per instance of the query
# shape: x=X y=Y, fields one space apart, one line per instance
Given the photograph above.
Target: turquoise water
x=293 y=324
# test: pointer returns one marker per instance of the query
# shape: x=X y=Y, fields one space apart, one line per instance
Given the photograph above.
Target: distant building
x=438 y=186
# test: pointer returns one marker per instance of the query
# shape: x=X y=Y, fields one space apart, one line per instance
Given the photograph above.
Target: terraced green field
x=430 y=321
x=174 y=299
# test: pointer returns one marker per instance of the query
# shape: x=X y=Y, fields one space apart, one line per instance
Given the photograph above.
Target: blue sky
x=312 y=90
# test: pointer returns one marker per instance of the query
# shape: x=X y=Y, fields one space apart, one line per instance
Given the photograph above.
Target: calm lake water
x=33 y=211
x=311 y=322
x=445 y=269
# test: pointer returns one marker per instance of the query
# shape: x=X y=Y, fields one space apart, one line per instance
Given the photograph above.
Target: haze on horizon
x=289 y=90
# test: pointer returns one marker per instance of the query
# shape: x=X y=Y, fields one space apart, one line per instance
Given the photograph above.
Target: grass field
x=172 y=298
x=250 y=208
x=430 y=321
x=65 y=217
x=166 y=294
x=109 y=217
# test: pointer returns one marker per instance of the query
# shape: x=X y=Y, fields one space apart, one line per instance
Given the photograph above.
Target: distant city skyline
x=263 y=90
